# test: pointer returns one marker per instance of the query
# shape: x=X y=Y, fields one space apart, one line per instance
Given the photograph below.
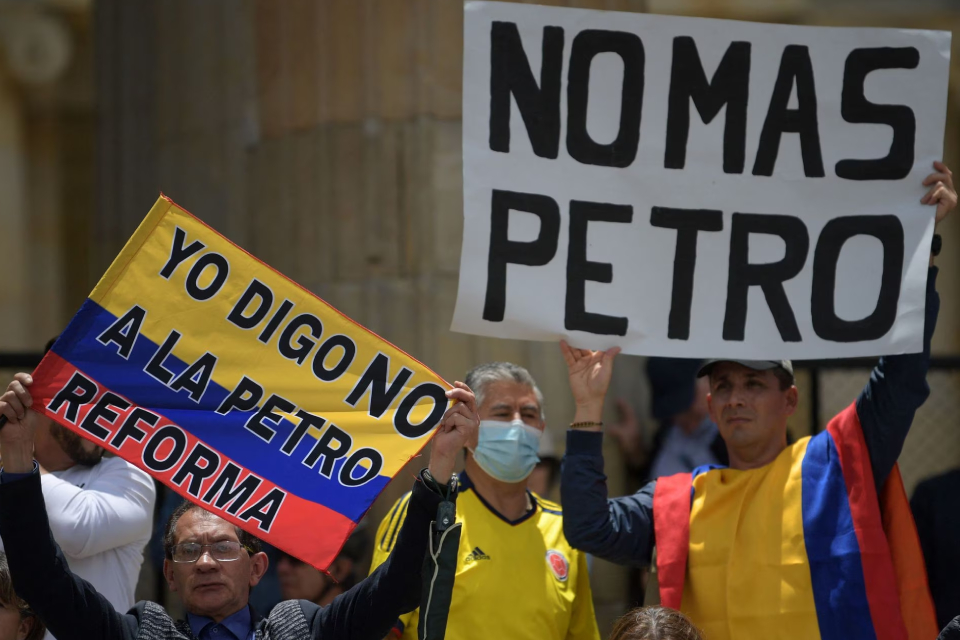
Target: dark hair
x=784 y=377
x=10 y=597
x=654 y=623
x=248 y=540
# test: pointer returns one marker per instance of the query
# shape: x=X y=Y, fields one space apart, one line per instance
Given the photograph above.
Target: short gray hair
x=483 y=375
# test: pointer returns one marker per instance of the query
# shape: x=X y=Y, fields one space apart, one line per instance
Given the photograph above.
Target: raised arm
x=898 y=384
x=70 y=607
x=370 y=608
x=621 y=529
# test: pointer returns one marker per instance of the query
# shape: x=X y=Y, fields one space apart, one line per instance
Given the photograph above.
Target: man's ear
x=26 y=626
x=168 y=574
x=341 y=568
x=258 y=566
x=793 y=399
x=714 y=417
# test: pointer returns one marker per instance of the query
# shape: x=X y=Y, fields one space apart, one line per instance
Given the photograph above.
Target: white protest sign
x=693 y=187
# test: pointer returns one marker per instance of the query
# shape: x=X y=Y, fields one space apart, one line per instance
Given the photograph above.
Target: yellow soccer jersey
x=514 y=579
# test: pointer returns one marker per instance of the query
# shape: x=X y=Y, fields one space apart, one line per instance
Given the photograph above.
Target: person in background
x=686 y=438
x=936 y=510
x=301 y=581
x=517 y=576
x=100 y=509
x=654 y=623
x=17 y=621
x=546 y=475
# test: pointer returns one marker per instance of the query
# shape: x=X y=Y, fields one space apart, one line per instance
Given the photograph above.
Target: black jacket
x=73 y=610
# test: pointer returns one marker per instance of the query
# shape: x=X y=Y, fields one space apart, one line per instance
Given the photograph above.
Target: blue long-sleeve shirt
x=621 y=529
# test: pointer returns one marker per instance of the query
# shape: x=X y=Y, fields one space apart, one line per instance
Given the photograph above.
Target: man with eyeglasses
x=211 y=564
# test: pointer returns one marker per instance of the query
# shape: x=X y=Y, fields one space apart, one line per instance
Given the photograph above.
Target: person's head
x=58 y=447
x=211 y=563
x=750 y=400
x=17 y=621
x=301 y=581
x=678 y=396
x=654 y=623
x=510 y=407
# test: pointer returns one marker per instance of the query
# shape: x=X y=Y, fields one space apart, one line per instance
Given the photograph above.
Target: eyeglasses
x=223 y=551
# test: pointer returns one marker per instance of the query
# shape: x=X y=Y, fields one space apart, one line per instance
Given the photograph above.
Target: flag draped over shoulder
x=237 y=388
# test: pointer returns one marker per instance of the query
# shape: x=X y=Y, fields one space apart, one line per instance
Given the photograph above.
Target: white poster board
x=697 y=188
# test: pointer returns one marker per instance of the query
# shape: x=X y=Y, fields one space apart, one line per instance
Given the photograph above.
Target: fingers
x=942 y=168
x=461 y=393
x=933 y=194
x=24 y=378
x=933 y=178
x=567 y=353
x=22 y=394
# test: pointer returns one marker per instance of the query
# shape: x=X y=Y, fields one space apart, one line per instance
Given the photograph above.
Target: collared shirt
x=238 y=626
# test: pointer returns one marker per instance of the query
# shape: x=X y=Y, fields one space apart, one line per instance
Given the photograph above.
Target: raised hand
x=16 y=437
x=458 y=427
x=941 y=192
x=589 y=374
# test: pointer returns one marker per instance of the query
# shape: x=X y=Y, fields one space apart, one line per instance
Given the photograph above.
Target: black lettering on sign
x=268 y=412
x=375 y=379
x=196 y=377
x=275 y=321
x=579 y=269
x=304 y=344
x=375 y=463
x=102 y=409
x=192 y=283
x=244 y=397
x=265 y=510
x=124 y=331
x=504 y=251
x=307 y=420
x=688 y=223
x=197 y=473
x=729 y=88
x=795 y=68
x=333 y=443
x=768 y=276
x=258 y=291
x=346 y=358
x=586 y=46
x=229 y=494
x=179 y=253
x=401 y=419
x=854 y=107
x=510 y=74
x=130 y=430
x=177 y=438
x=78 y=391
x=889 y=231
x=155 y=367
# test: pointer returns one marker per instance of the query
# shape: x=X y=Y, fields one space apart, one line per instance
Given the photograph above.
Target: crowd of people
x=746 y=532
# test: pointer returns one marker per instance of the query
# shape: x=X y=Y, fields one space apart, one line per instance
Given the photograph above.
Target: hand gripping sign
x=690 y=187
x=237 y=388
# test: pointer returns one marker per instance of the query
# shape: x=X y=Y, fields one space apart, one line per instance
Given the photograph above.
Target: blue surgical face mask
x=507 y=451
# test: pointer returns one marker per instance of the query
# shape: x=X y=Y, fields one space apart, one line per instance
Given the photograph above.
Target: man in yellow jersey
x=812 y=540
x=517 y=576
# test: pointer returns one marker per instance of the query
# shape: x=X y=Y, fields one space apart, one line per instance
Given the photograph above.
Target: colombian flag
x=801 y=548
x=237 y=388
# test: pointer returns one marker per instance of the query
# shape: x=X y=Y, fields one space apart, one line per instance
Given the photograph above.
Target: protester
x=212 y=564
x=17 y=620
x=936 y=510
x=300 y=581
x=517 y=576
x=686 y=437
x=654 y=623
x=100 y=508
x=788 y=542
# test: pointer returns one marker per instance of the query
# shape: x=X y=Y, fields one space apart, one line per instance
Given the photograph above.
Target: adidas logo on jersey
x=476 y=554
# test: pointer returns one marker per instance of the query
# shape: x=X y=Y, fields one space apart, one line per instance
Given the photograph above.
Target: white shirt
x=102 y=517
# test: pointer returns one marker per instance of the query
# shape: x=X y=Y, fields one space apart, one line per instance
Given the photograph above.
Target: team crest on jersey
x=558 y=564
